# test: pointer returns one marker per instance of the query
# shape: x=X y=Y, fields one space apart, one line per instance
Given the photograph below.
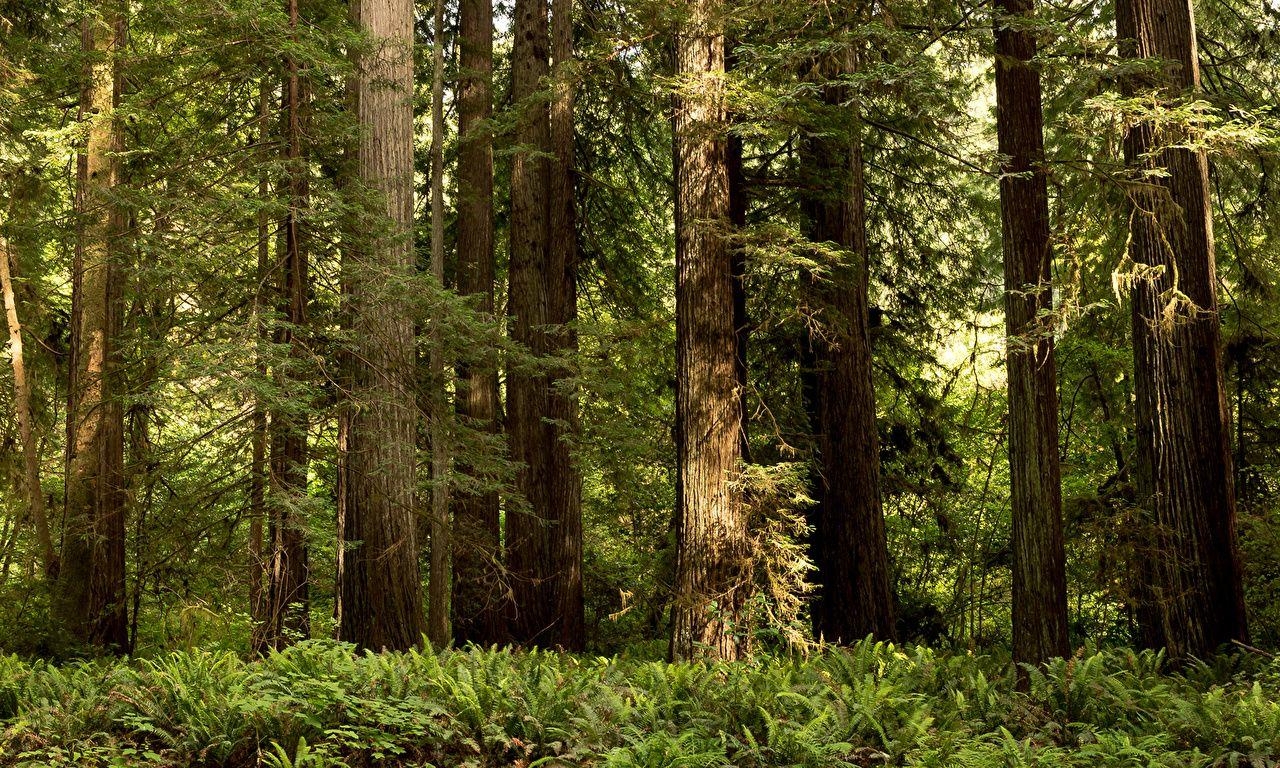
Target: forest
x=640 y=383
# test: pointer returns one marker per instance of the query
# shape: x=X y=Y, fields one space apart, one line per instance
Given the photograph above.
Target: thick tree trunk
x=22 y=387
x=381 y=590
x=441 y=546
x=532 y=527
x=1195 y=600
x=287 y=613
x=711 y=537
x=849 y=548
x=562 y=278
x=1039 y=562
x=92 y=583
x=477 y=584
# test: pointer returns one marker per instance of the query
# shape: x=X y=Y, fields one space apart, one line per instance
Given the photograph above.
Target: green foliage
x=321 y=704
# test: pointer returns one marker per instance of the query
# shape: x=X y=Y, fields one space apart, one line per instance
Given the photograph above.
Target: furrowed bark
x=1039 y=561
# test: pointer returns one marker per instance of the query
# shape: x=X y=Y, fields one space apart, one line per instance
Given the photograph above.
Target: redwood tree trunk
x=849 y=547
x=381 y=588
x=92 y=582
x=1194 y=601
x=711 y=518
x=441 y=546
x=258 y=469
x=543 y=531
x=1039 y=563
x=477 y=586
x=562 y=279
x=287 y=609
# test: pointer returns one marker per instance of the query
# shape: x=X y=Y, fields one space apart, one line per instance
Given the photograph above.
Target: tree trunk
x=477 y=587
x=22 y=387
x=441 y=547
x=287 y=611
x=849 y=548
x=562 y=277
x=531 y=534
x=1039 y=562
x=712 y=525
x=258 y=463
x=381 y=590
x=1195 y=600
x=92 y=582
x=738 y=205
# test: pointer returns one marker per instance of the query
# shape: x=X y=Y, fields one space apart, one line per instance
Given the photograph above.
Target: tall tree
x=287 y=607
x=545 y=528
x=1039 y=562
x=529 y=535
x=441 y=547
x=711 y=538
x=562 y=291
x=92 y=582
x=476 y=542
x=22 y=406
x=849 y=547
x=258 y=469
x=381 y=588
x=1194 y=600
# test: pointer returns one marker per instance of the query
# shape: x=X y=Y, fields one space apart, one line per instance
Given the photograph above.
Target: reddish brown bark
x=381 y=588
x=711 y=519
x=287 y=606
x=849 y=547
x=92 y=582
x=1194 y=600
x=544 y=533
x=477 y=584
x=1039 y=562
x=562 y=283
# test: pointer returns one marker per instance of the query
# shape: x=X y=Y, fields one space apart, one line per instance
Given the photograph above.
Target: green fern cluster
x=320 y=704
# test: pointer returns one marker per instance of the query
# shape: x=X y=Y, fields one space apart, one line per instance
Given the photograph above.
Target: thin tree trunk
x=1039 y=561
x=531 y=531
x=381 y=590
x=287 y=609
x=849 y=546
x=738 y=205
x=441 y=546
x=1184 y=478
x=258 y=467
x=711 y=537
x=92 y=582
x=22 y=387
x=562 y=277
x=477 y=587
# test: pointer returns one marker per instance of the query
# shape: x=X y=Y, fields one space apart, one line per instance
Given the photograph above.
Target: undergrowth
x=321 y=705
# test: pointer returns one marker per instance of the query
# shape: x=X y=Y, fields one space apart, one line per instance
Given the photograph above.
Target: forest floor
x=319 y=704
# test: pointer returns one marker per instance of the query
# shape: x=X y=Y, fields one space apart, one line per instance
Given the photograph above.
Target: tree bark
x=258 y=476
x=1194 y=601
x=1039 y=562
x=92 y=583
x=477 y=548
x=849 y=547
x=381 y=589
x=22 y=387
x=711 y=518
x=531 y=526
x=562 y=277
x=287 y=611
x=441 y=546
